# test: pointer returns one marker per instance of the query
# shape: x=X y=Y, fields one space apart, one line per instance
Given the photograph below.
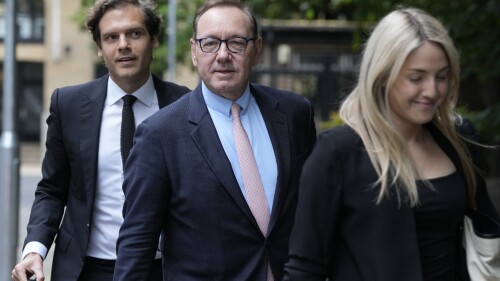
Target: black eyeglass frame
x=225 y=41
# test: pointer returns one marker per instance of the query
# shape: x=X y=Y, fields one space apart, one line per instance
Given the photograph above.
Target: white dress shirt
x=109 y=197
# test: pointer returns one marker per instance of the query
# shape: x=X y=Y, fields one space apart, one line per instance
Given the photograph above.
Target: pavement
x=31 y=173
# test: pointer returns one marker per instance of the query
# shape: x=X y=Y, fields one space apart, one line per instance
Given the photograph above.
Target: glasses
x=235 y=45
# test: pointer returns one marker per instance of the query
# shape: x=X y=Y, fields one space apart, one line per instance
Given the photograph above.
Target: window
x=29 y=99
x=30 y=20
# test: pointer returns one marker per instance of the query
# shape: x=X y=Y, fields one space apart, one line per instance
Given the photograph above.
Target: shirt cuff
x=35 y=247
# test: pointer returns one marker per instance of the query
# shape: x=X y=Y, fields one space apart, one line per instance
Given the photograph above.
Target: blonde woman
x=384 y=197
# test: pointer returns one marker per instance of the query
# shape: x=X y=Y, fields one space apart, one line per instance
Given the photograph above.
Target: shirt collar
x=223 y=105
x=145 y=93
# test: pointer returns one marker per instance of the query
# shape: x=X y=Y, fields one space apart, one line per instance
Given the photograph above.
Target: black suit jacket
x=179 y=181
x=64 y=197
x=341 y=233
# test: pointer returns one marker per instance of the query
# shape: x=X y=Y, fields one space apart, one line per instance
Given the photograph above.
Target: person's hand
x=32 y=265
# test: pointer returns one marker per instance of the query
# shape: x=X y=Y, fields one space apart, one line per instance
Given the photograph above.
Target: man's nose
x=123 y=42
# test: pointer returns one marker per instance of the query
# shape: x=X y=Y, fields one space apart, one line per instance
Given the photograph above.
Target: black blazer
x=179 y=181
x=339 y=230
x=69 y=171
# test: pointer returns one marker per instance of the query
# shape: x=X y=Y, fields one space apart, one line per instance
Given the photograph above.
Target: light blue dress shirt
x=253 y=122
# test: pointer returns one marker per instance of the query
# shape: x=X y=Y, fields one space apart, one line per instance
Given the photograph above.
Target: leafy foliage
x=300 y=9
x=487 y=122
x=473 y=24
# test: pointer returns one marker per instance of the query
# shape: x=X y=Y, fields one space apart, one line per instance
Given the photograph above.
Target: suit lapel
x=276 y=123
x=161 y=92
x=166 y=92
x=91 y=101
x=207 y=140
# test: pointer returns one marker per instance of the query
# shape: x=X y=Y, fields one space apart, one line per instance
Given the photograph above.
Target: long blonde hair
x=366 y=109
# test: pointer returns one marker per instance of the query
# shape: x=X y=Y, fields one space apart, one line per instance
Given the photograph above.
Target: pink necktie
x=254 y=190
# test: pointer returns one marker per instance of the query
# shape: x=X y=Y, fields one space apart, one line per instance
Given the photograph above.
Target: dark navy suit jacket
x=179 y=181
x=69 y=172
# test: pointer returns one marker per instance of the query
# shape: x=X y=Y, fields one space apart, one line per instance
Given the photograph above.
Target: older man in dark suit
x=189 y=178
x=80 y=196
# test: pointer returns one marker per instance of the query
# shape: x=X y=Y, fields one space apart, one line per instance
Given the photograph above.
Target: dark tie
x=128 y=126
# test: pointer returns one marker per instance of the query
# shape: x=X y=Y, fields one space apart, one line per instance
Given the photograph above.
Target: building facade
x=52 y=50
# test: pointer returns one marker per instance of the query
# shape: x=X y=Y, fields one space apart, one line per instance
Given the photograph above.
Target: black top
x=438 y=218
x=340 y=231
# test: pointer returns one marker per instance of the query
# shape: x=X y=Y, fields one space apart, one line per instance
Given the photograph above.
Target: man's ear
x=155 y=41
x=193 y=52
x=99 y=51
x=258 y=50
